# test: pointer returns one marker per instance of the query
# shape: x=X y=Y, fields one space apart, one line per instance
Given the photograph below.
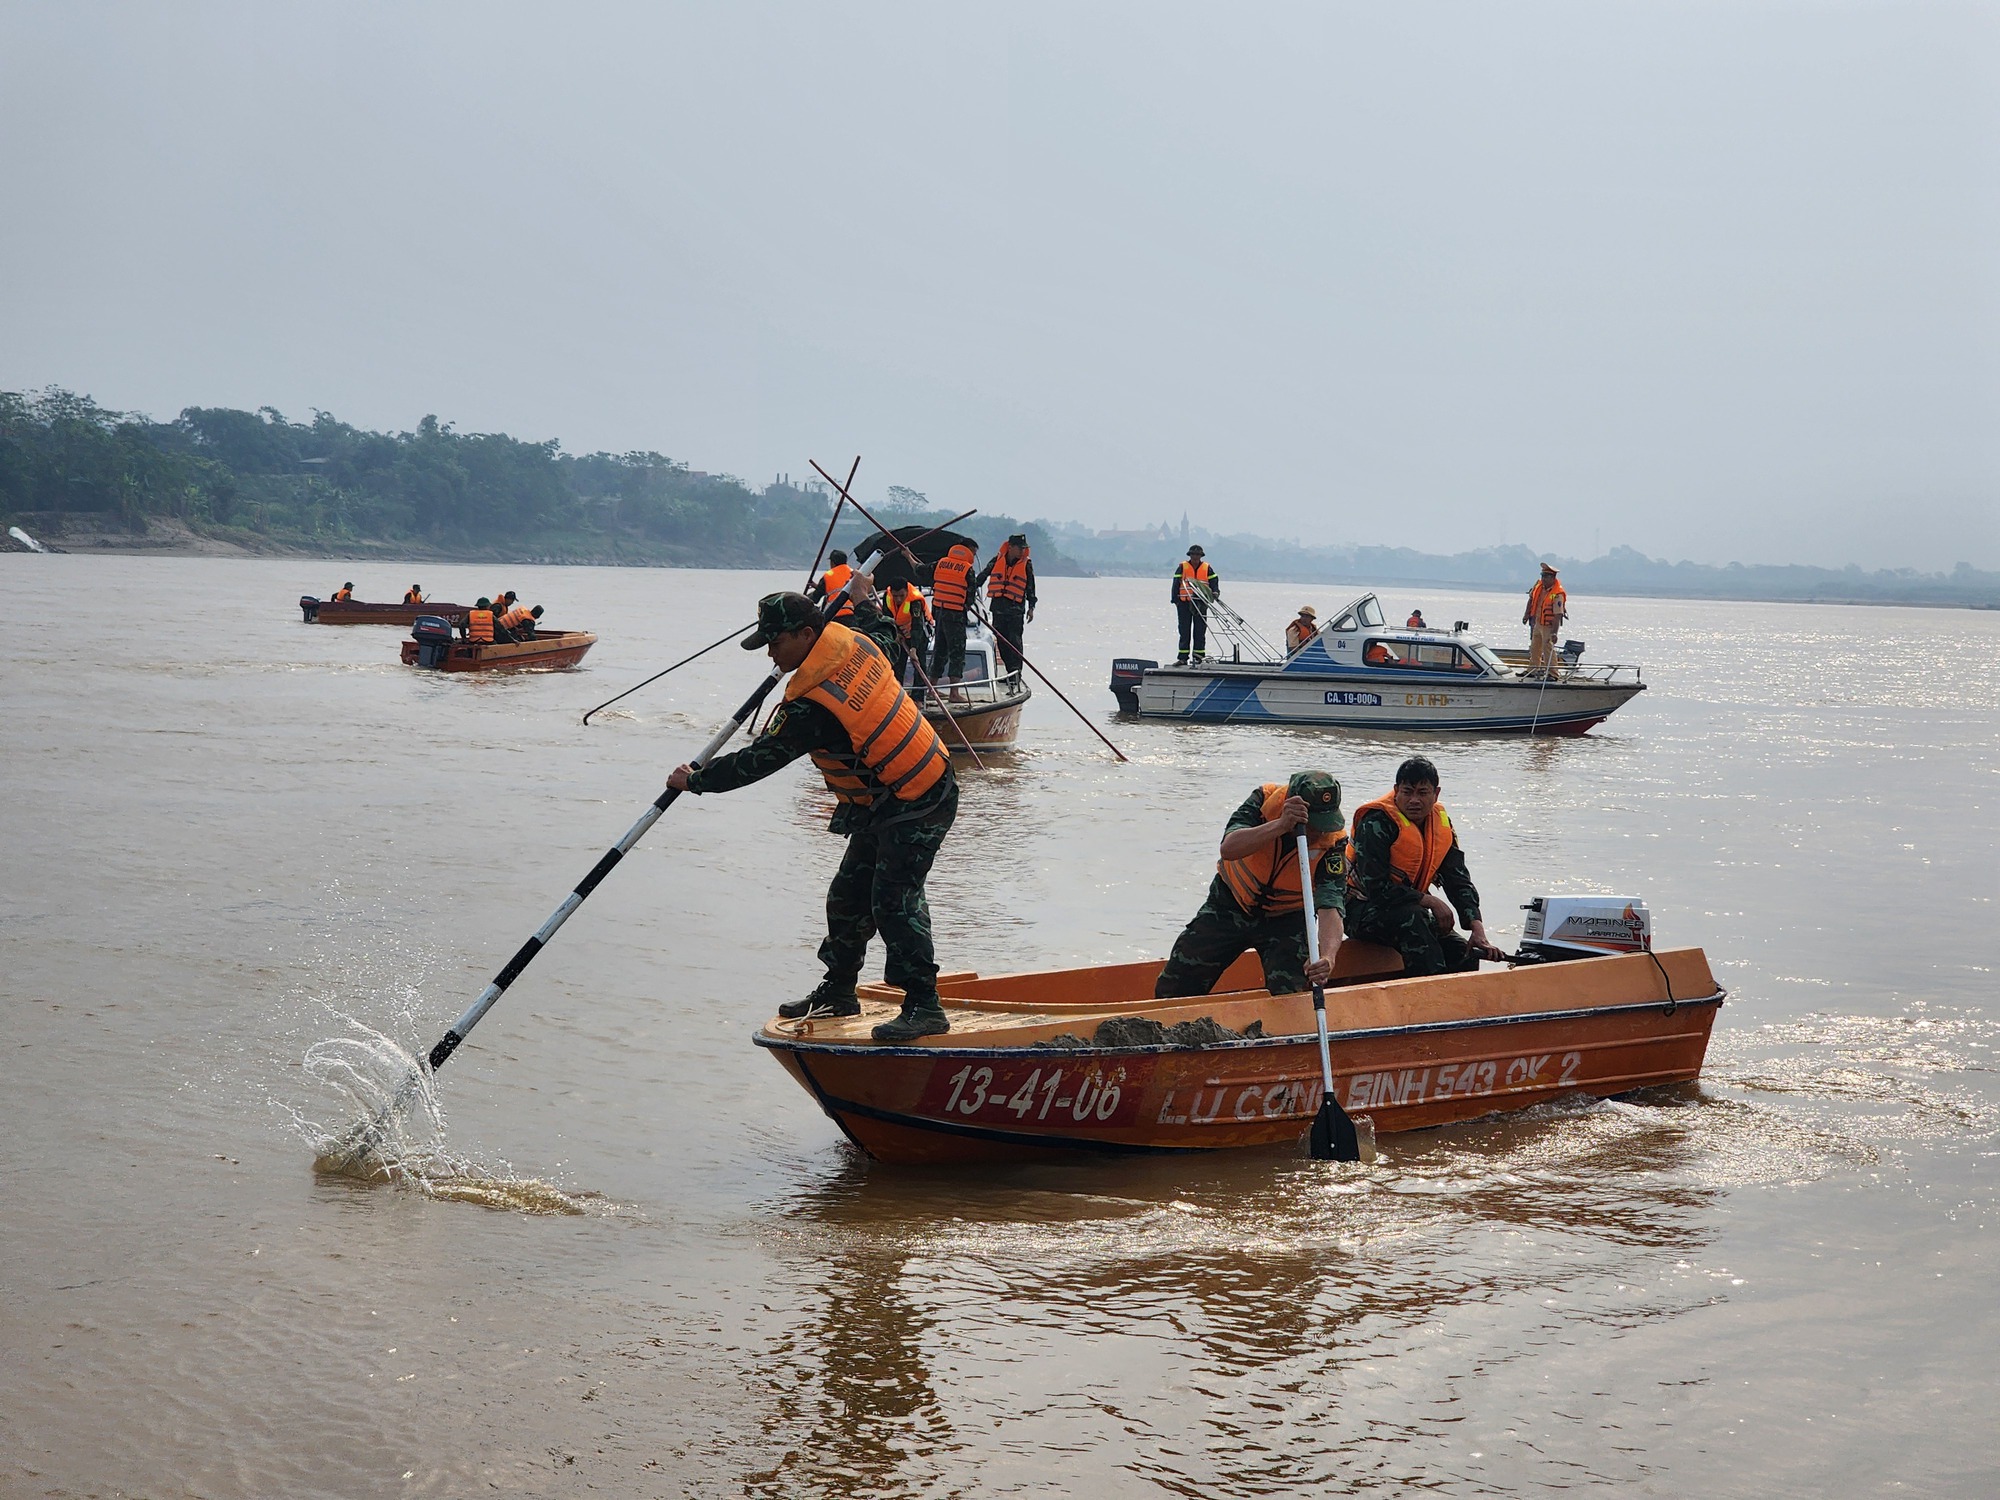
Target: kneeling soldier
x=1256 y=900
x=894 y=792
x=1404 y=844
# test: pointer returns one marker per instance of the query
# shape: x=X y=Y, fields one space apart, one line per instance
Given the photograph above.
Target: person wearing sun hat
x=1301 y=630
x=1256 y=899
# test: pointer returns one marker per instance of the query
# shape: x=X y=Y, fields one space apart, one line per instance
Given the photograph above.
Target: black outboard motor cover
x=1125 y=674
x=309 y=607
x=433 y=635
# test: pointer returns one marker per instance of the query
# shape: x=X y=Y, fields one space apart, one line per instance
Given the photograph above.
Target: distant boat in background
x=25 y=540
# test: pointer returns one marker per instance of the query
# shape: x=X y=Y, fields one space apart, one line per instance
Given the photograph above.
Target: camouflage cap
x=1322 y=794
x=778 y=613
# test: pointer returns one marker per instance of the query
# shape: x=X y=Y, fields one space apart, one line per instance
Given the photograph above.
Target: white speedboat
x=1360 y=672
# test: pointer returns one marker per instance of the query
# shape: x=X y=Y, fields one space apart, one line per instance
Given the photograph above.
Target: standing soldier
x=1192 y=606
x=1402 y=845
x=951 y=592
x=1010 y=597
x=1256 y=899
x=831 y=582
x=1548 y=607
x=911 y=613
x=894 y=798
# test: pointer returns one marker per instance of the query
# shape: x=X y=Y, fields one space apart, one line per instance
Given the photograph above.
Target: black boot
x=921 y=1016
x=830 y=999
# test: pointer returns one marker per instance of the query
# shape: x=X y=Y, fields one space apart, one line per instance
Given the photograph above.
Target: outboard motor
x=309 y=607
x=1572 y=653
x=1560 y=927
x=433 y=636
x=1125 y=674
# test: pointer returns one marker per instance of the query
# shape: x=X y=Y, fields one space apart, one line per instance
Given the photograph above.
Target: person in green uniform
x=1400 y=847
x=895 y=795
x=1256 y=899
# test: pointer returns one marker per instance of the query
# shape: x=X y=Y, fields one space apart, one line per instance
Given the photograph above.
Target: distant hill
x=77 y=475
x=1620 y=571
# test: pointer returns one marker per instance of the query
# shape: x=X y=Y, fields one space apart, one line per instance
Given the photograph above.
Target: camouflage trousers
x=879 y=887
x=948 y=652
x=1222 y=932
x=1425 y=950
x=1010 y=623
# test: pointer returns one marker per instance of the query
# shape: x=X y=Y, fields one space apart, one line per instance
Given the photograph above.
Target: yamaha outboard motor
x=432 y=633
x=309 y=607
x=1125 y=674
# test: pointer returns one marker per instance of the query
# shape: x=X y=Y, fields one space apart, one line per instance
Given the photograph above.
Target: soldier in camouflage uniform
x=891 y=841
x=1401 y=846
x=1256 y=901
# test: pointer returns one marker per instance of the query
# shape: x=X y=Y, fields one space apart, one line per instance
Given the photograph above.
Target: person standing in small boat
x=911 y=612
x=1191 y=606
x=1301 y=630
x=830 y=583
x=1548 y=607
x=894 y=797
x=1400 y=846
x=1010 y=598
x=415 y=594
x=1256 y=899
x=951 y=595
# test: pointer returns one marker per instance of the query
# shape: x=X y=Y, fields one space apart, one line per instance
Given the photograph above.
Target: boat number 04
x=1057 y=1094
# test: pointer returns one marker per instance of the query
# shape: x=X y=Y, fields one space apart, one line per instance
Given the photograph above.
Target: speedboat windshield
x=1364 y=613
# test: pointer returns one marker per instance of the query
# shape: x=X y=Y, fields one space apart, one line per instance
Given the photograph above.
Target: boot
x=830 y=999
x=921 y=1016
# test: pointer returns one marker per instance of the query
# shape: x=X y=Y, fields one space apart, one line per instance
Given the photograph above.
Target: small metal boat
x=1360 y=672
x=1019 y=1074
x=354 y=612
x=431 y=645
x=986 y=711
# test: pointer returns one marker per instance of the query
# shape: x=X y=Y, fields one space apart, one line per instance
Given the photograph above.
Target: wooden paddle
x=1333 y=1133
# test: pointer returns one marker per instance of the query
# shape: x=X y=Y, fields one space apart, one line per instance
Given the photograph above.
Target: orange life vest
x=1008 y=582
x=833 y=580
x=479 y=625
x=907 y=605
x=341 y=596
x=1417 y=853
x=951 y=577
x=517 y=616
x=894 y=749
x=1199 y=572
x=413 y=597
x=1266 y=883
x=1416 y=621
x=1547 y=602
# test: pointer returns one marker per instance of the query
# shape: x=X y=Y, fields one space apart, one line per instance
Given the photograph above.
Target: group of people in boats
x=896 y=796
x=930 y=631
x=502 y=617
x=1194 y=583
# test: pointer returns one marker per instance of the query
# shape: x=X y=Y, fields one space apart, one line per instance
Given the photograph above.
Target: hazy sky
x=1719 y=281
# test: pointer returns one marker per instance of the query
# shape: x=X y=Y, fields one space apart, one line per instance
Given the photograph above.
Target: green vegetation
x=71 y=469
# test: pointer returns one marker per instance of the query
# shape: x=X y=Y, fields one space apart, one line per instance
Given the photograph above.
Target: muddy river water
x=646 y=1264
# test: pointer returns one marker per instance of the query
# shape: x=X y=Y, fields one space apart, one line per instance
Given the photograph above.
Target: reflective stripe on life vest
x=894 y=749
x=479 y=625
x=1417 y=853
x=951 y=577
x=1199 y=572
x=1008 y=582
x=1266 y=883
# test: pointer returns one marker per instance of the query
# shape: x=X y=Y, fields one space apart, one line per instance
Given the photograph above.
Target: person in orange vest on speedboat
x=1399 y=847
x=894 y=797
x=1416 y=621
x=831 y=582
x=1301 y=630
x=911 y=613
x=1548 y=607
x=951 y=596
x=1010 y=598
x=1256 y=900
x=1190 y=606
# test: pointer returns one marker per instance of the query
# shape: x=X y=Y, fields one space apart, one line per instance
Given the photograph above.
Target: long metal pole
x=972 y=605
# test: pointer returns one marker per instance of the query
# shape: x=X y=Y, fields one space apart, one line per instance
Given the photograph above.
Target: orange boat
x=549 y=649
x=1407 y=1054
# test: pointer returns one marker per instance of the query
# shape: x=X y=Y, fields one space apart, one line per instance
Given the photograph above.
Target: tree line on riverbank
x=70 y=468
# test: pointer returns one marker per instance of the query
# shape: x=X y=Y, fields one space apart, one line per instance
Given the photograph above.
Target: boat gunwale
x=1285 y=1039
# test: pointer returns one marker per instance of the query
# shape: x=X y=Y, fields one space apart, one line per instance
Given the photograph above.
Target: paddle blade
x=1333 y=1135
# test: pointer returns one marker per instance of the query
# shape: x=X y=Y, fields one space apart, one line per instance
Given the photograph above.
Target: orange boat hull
x=1408 y=1054
x=563 y=649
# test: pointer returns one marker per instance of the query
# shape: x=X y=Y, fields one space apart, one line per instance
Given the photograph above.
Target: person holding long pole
x=894 y=797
